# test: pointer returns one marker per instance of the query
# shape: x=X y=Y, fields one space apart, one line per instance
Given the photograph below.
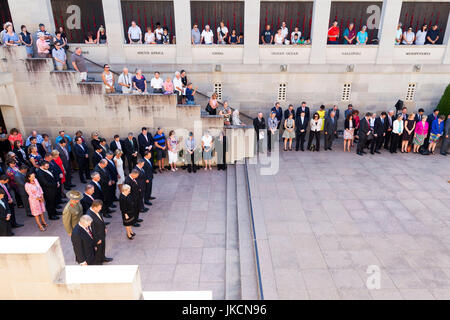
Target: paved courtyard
x=181 y=243
x=327 y=216
x=321 y=220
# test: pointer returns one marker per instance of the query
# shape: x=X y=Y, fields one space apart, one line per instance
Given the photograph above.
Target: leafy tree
x=444 y=105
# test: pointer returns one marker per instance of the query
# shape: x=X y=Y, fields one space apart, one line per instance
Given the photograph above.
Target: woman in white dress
x=119 y=165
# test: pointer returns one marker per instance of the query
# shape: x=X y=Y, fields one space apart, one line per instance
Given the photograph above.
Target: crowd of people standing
x=414 y=132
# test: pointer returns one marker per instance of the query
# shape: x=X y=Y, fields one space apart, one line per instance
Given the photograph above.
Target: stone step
x=232 y=265
x=248 y=273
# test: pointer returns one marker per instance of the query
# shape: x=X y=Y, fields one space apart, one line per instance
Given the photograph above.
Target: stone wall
x=36 y=269
x=35 y=96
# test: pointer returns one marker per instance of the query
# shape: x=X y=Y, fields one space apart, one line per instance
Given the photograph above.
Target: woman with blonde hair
x=410 y=125
x=127 y=210
x=211 y=108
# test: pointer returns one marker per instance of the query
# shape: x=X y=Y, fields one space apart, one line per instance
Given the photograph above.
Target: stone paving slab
x=181 y=243
x=330 y=215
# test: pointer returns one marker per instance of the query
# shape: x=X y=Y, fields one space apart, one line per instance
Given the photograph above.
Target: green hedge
x=444 y=105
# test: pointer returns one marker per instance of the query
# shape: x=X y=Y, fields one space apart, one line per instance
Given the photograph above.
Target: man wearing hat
x=59 y=56
x=72 y=211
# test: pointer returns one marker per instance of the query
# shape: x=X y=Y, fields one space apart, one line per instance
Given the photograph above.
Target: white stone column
x=182 y=13
x=446 y=43
x=319 y=31
x=112 y=11
x=390 y=15
x=252 y=10
x=31 y=14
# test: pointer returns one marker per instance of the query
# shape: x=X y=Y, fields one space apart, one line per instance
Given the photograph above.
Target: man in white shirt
x=156 y=83
x=134 y=33
x=207 y=35
x=222 y=33
x=284 y=30
x=178 y=87
x=158 y=33
x=398 y=34
x=125 y=81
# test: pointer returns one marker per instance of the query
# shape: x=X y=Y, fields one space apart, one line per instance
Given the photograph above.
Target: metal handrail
x=255 y=243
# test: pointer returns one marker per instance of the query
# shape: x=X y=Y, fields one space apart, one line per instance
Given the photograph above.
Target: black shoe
x=67 y=188
x=113 y=206
x=371 y=152
x=133 y=234
x=54 y=218
x=30 y=215
x=73 y=185
x=17 y=225
x=153 y=198
x=107 y=259
x=139 y=220
x=444 y=154
x=58 y=213
x=130 y=238
x=109 y=211
x=147 y=203
x=83 y=181
x=11 y=234
x=143 y=210
x=106 y=223
x=107 y=215
x=58 y=207
x=136 y=225
x=189 y=170
x=378 y=152
x=359 y=153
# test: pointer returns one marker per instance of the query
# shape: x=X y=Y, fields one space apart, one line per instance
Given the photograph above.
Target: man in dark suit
x=49 y=184
x=389 y=126
x=148 y=169
x=419 y=115
x=304 y=108
x=98 y=231
x=364 y=131
x=105 y=183
x=83 y=242
x=104 y=146
x=145 y=140
x=446 y=137
x=330 y=130
x=379 y=132
x=5 y=217
x=134 y=193
x=97 y=156
x=141 y=180
x=56 y=170
x=130 y=149
x=65 y=158
x=288 y=111
x=259 y=123
x=88 y=197
x=98 y=193
x=19 y=179
x=82 y=156
x=116 y=144
x=113 y=174
x=8 y=200
x=301 y=125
